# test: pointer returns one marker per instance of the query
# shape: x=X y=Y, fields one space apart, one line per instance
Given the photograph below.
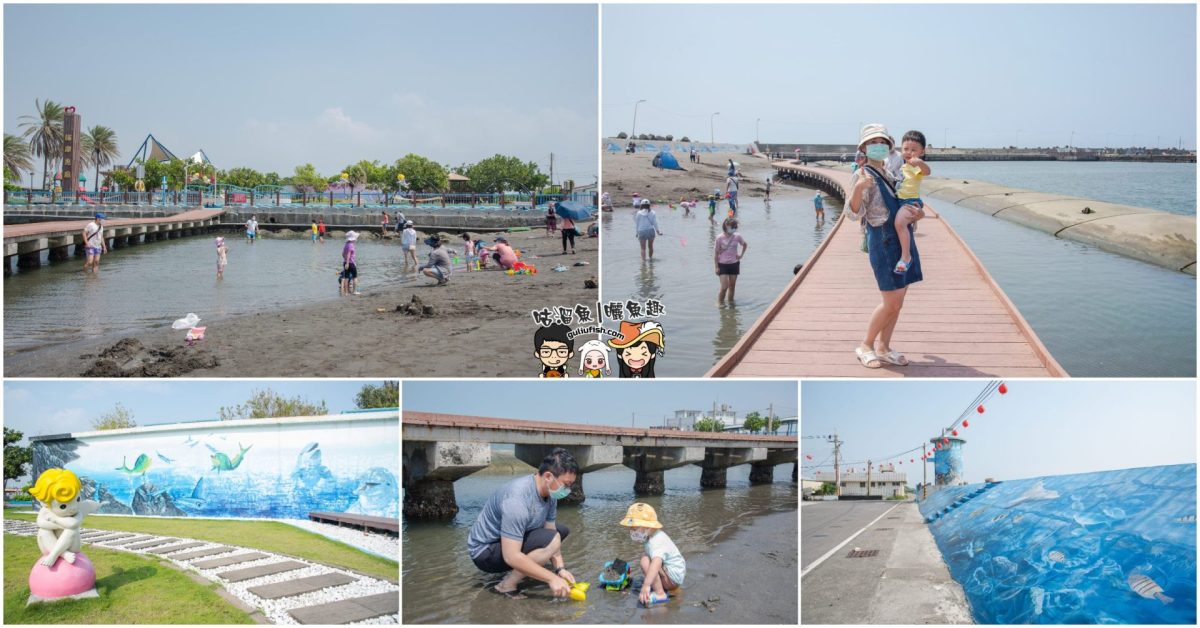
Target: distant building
x=686 y=419
x=884 y=483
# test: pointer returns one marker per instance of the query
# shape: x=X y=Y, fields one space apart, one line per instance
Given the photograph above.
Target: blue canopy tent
x=572 y=210
x=666 y=160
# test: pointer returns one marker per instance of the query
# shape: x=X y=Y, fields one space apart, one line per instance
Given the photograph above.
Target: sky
x=57 y=407
x=275 y=86
x=1036 y=429
x=965 y=75
x=622 y=403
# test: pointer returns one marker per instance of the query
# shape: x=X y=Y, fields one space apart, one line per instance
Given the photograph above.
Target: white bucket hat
x=872 y=131
x=351 y=236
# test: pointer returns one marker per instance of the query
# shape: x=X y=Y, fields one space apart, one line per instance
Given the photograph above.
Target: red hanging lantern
x=945 y=442
x=1003 y=389
x=979 y=409
x=954 y=432
x=966 y=424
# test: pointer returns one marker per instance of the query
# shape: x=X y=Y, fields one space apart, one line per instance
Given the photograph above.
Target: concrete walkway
x=901 y=580
x=283 y=588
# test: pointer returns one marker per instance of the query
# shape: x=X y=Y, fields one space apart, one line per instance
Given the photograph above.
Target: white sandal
x=866 y=356
x=894 y=358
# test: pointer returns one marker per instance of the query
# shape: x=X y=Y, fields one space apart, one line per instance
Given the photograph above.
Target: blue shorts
x=92 y=251
x=646 y=236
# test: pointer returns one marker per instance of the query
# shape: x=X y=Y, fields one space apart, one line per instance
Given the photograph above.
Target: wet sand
x=626 y=174
x=480 y=327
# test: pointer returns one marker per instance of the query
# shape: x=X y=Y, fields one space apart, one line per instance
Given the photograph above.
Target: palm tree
x=45 y=133
x=16 y=155
x=99 y=146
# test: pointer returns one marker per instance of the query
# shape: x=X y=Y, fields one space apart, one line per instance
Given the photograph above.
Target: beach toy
x=579 y=591
x=194 y=335
x=655 y=599
x=615 y=575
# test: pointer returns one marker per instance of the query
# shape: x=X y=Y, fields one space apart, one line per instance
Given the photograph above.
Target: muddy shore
x=477 y=326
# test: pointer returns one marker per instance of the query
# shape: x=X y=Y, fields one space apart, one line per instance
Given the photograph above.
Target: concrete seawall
x=1150 y=235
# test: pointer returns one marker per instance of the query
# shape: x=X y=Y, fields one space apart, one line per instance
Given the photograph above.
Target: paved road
x=823 y=525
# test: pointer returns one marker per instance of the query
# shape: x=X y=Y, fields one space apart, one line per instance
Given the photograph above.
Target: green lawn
x=269 y=536
x=133 y=590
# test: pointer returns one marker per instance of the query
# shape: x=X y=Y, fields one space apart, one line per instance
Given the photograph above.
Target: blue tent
x=570 y=209
x=666 y=160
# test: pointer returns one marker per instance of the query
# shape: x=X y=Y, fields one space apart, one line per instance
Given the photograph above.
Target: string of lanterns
x=977 y=406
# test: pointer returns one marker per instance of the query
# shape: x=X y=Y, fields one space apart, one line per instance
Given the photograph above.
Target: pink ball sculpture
x=63 y=579
x=63 y=571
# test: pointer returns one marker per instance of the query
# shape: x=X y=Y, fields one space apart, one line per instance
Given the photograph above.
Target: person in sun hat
x=349 y=264
x=873 y=201
x=222 y=256
x=638 y=346
x=94 y=243
x=438 y=266
x=663 y=566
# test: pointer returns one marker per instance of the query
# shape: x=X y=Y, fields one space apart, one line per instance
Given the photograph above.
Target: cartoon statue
x=638 y=347
x=63 y=571
x=594 y=360
x=552 y=346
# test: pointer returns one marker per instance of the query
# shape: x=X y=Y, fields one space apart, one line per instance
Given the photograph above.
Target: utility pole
x=868 y=477
x=770 y=417
x=837 y=465
x=551 y=168
x=924 y=469
x=632 y=421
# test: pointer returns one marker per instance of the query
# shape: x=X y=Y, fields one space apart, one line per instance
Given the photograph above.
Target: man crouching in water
x=516 y=531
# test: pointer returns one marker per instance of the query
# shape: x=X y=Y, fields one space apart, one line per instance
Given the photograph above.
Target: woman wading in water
x=873 y=201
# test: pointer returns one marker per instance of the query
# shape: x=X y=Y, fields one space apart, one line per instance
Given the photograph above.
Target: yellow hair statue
x=57 y=485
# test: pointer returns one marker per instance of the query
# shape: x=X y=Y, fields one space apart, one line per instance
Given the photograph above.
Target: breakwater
x=1149 y=235
x=1103 y=547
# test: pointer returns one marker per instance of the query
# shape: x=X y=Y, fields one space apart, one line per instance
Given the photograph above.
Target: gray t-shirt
x=511 y=512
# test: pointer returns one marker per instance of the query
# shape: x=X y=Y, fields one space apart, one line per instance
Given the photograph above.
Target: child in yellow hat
x=662 y=564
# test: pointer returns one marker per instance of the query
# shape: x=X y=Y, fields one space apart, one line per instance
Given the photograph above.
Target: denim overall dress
x=883 y=247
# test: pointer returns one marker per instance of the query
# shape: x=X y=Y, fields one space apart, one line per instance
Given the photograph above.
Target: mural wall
x=276 y=468
x=948 y=463
x=1104 y=547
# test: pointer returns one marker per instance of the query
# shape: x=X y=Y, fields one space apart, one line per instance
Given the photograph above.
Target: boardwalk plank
x=955 y=323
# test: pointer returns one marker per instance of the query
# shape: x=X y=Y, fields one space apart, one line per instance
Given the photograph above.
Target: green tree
x=99 y=146
x=45 y=134
x=827 y=488
x=499 y=173
x=266 y=404
x=124 y=178
x=386 y=395
x=120 y=418
x=17 y=158
x=361 y=174
x=243 y=177
x=420 y=174
x=756 y=422
x=16 y=457
x=307 y=179
x=709 y=424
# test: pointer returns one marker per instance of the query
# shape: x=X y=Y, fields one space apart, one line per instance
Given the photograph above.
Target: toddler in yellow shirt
x=912 y=148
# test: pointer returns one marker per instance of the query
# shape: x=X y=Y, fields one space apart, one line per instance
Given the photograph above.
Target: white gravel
x=383 y=545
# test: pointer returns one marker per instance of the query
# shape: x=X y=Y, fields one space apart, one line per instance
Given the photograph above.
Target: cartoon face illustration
x=594 y=360
x=553 y=348
x=638 y=347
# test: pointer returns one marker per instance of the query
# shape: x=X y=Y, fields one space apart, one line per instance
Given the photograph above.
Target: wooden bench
x=366 y=522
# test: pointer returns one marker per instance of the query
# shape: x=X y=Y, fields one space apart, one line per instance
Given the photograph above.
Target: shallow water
x=441 y=585
x=151 y=285
x=1167 y=187
x=1099 y=314
x=698 y=332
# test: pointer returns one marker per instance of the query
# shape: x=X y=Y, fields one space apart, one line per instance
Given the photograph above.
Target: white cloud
x=67 y=420
x=337 y=119
x=16 y=394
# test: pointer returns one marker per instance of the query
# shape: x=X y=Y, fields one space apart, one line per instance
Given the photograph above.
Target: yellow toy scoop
x=579 y=591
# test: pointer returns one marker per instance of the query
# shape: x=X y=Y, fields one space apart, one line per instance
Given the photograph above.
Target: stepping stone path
x=282 y=588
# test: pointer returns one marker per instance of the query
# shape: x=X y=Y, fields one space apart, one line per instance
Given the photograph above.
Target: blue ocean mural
x=271 y=468
x=1104 y=547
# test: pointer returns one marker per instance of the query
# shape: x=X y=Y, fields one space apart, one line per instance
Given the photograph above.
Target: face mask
x=560 y=492
x=639 y=535
x=877 y=152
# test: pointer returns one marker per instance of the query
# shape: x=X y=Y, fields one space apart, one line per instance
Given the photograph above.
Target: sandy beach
x=479 y=326
x=626 y=174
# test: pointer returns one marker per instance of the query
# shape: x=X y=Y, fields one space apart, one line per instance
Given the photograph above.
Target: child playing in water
x=551 y=220
x=222 y=257
x=663 y=566
x=408 y=242
x=712 y=204
x=912 y=148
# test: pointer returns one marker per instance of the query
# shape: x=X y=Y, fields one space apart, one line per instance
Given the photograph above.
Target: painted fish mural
x=162 y=457
x=197 y=499
x=377 y=494
x=222 y=462
x=139 y=466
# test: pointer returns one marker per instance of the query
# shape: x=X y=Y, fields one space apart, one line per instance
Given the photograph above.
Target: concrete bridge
x=441 y=448
x=26 y=242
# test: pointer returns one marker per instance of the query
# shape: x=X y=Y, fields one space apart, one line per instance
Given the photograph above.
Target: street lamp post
x=633 y=129
x=712 y=136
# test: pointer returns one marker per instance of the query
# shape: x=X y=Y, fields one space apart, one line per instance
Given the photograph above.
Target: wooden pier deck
x=957 y=322
x=28 y=240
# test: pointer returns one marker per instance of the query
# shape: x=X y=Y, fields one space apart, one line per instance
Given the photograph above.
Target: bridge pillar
x=60 y=248
x=29 y=253
x=717 y=461
x=651 y=462
x=430 y=469
x=589 y=458
x=8 y=265
x=764 y=472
